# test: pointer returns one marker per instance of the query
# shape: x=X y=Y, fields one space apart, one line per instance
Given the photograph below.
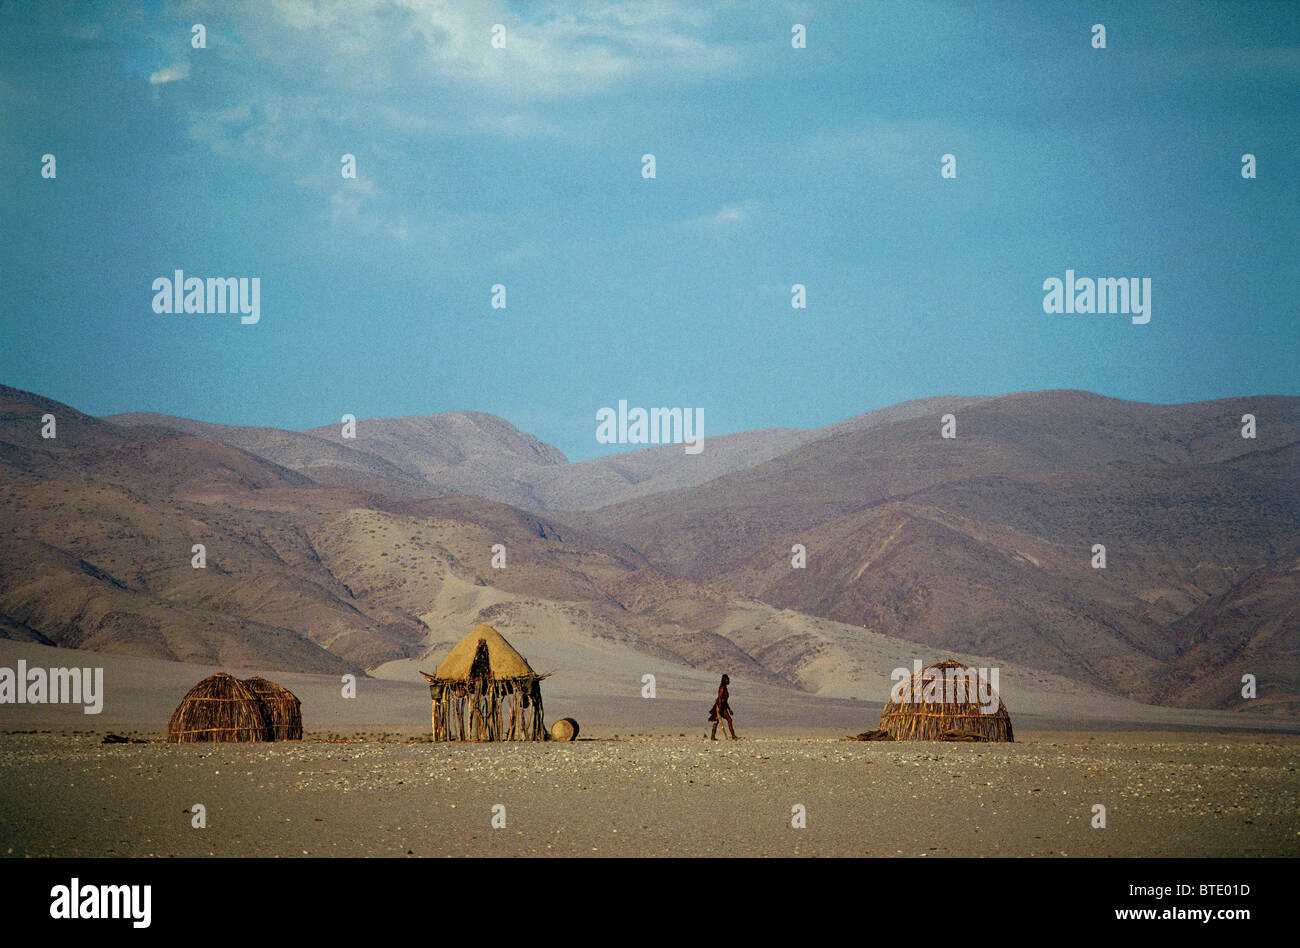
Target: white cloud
x=170 y=74
x=295 y=73
x=730 y=215
x=574 y=48
x=301 y=81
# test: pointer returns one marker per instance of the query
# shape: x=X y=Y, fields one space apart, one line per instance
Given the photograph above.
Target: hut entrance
x=482 y=667
x=485 y=691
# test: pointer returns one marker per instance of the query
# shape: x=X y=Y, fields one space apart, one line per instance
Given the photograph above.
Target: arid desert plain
x=642 y=780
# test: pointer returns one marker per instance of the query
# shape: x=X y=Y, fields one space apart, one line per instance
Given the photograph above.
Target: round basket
x=565 y=729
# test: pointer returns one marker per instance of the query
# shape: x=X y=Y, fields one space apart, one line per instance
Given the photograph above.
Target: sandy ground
x=1191 y=796
x=642 y=781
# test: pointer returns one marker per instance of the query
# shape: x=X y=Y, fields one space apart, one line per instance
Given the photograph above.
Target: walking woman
x=721 y=711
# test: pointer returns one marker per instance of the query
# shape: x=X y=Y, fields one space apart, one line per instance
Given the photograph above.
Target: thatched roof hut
x=283 y=709
x=219 y=708
x=947 y=701
x=485 y=691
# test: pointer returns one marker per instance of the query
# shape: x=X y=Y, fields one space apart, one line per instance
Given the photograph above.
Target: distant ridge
x=324 y=554
x=484 y=456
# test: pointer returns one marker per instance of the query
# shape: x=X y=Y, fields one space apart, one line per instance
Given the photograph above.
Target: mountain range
x=332 y=554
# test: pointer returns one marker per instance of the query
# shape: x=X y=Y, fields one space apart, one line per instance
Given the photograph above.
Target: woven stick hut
x=943 y=703
x=220 y=708
x=283 y=709
x=485 y=691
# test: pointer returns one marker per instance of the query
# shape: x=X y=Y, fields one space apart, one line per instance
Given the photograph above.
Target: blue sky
x=522 y=166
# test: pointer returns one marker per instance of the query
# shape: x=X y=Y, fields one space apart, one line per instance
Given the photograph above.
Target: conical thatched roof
x=502 y=660
x=485 y=691
x=942 y=704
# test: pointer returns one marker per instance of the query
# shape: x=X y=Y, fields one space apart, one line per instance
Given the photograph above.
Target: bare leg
x=714 y=735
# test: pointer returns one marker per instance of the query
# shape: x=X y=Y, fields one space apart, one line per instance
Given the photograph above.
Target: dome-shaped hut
x=283 y=709
x=947 y=701
x=219 y=708
x=485 y=691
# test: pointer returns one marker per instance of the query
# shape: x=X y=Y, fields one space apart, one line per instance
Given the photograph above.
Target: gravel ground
x=69 y=795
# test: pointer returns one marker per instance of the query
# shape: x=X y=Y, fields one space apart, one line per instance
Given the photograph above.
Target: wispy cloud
x=577 y=49
x=297 y=81
x=390 y=46
x=879 y=141
x=170 y=74
x=730 y=215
